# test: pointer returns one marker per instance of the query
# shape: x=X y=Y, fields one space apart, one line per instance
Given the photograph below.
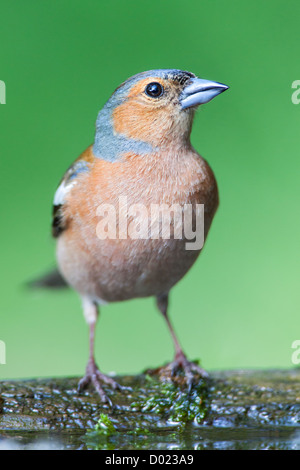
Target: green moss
x=104 y=426
x=99 y=437
x=169 y=403
x=175 y=404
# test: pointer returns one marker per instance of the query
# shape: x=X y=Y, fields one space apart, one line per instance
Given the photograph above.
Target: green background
x=238 y=307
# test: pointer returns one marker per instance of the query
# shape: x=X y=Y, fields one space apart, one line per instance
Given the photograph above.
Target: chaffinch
x=141 y=157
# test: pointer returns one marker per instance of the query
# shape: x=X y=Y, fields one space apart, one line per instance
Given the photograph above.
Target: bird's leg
x=92 y=374
x=180 y=360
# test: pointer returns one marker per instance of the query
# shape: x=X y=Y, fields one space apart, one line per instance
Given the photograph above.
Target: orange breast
x=116 y=269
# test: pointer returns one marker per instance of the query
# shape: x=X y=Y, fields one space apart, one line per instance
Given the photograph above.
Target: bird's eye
x=154 y=89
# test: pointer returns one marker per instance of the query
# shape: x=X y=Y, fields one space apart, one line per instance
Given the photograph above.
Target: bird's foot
x=94 y=377
x=192 y=373
x=182 y=371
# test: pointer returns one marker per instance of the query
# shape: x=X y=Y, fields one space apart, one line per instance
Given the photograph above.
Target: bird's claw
x=94 y=377
x=182 y=371
x=192 y=372
x=189 y=367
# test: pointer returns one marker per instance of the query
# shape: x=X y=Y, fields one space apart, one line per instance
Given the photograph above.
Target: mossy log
x=157 y=412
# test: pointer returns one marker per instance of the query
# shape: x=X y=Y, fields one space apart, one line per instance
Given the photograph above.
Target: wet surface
x=191 y=439
x=231 y=410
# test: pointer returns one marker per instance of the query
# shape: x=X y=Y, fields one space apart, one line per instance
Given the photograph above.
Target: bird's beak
x=199 y=91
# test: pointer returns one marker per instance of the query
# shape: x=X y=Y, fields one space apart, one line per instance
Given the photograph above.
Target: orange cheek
x=137 y=121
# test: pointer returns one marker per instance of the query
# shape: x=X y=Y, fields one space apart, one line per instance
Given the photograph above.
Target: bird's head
x=150 y=111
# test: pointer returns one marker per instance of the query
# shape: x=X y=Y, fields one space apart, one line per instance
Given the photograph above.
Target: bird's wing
x=69 y=180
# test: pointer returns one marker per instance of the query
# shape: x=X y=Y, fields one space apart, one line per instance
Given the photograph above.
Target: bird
x=141 y=157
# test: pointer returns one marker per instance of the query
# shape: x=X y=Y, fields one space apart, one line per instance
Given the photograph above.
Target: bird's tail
x=51 y=280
